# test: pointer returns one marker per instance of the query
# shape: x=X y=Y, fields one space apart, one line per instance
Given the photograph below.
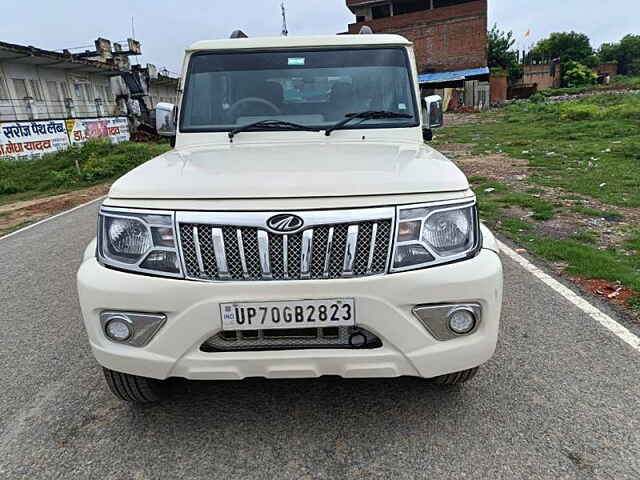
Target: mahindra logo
x=285 y=223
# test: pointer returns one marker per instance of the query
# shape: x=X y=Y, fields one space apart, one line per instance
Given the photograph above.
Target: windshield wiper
x=367 y=115
x=271 y=124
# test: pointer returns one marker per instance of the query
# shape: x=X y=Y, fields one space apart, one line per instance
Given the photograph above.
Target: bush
x=582 y=112
x=537 y=98
x=576 y=74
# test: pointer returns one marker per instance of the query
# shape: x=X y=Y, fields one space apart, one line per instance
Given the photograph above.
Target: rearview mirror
x=166 y=119
x=433 y=114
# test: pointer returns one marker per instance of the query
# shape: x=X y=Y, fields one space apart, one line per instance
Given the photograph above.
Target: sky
x=165 y=27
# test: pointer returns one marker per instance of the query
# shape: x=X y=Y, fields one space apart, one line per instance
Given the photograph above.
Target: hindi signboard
x=116 y=129
x=19 y=140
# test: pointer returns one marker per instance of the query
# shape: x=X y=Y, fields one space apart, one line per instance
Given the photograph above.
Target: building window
x=78 y=91
x=36 y=88
x=20 y=86
x=52 y=90
x=400 y=8
x=4 y=91
x=381 y=11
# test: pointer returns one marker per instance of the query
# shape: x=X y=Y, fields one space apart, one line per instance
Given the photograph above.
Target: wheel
x=132 y=388
x=456 y=378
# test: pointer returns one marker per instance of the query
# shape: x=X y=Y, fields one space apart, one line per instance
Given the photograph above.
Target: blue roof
x=452 y=76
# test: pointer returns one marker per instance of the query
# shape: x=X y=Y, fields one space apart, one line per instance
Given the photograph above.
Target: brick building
x=448 y=35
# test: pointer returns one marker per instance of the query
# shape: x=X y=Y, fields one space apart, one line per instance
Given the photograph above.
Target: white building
x=38 y=84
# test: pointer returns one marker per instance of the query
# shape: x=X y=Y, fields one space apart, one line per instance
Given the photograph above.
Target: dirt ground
x=514 y=173
x=19 y=214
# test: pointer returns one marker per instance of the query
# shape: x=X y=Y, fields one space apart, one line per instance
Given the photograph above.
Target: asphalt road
x=561 y=398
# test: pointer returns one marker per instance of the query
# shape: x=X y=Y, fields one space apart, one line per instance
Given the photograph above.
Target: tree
x=566 y=46
x=500 y=53
x=626 y=52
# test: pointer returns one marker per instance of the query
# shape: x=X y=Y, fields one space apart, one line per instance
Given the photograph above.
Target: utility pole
x=285 y=32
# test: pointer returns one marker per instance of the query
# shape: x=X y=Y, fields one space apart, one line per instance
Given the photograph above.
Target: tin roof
x=453 y=76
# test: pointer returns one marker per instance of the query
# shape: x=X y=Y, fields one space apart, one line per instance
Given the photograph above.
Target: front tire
x=132 y=388
x=457 y=377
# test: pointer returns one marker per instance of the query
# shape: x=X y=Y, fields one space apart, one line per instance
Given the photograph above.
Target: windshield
x=313 y=88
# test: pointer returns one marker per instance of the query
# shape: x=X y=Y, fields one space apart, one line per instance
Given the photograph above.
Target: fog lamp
x=135 y=329
x=119 y=329
x=462 y=321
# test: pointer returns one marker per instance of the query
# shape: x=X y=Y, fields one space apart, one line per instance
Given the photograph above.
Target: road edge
x=44 y=220
x=592 y=311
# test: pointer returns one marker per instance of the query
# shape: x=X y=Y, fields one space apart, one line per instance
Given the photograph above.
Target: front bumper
x=384 y=307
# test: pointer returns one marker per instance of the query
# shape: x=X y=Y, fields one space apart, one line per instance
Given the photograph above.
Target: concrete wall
x=544 y=76
x=611 y=68
x=49 y=103
x=445 y=39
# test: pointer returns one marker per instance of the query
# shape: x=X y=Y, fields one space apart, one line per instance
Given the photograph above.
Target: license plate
x=290 y=314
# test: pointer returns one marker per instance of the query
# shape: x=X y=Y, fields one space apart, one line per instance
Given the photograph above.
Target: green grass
x=494 y=196
x=585 y=237
x=632 y=241
x=589 y=146
x=57 y=173
x=589 y=261
x=594 y=212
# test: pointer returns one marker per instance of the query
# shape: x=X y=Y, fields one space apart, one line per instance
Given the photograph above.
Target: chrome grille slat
x=372 y=247
x=234 y=252
x=196 y=244
x=350 y=250
x=285 y=256
x=243 y=260
x=305 y=255
x=327 y=260
x=263 y=252
x=219 y=252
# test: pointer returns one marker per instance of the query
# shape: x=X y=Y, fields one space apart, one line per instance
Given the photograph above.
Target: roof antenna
x=366 y=30
x=285 y=32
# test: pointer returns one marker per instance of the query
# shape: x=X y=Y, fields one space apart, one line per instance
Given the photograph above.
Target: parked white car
x=301 y=227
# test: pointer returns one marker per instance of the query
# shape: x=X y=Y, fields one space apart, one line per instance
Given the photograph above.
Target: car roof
x=315 y=41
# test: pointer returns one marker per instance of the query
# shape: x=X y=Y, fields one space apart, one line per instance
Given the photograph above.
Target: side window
x=20 y=86
x=36 y=89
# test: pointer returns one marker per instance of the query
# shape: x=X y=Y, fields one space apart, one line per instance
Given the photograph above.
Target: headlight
x=431 y=235
x=138 y=241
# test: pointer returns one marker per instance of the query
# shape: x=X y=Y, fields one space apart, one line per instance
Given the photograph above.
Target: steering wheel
x=262 y=101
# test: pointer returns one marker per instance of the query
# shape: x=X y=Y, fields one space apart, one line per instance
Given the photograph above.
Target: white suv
x=300 y=227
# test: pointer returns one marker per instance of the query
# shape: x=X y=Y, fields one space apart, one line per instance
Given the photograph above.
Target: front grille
x=217 y=251
x=293 y=339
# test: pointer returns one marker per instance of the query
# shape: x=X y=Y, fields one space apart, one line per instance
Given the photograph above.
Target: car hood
x=286 y=171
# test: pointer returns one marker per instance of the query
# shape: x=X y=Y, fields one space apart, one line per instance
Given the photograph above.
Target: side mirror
x=166 y=120
x=432 y=115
